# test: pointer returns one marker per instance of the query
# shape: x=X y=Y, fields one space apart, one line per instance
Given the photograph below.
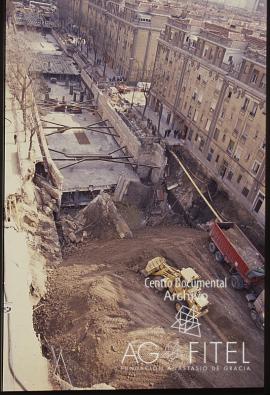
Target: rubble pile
x=99 y=220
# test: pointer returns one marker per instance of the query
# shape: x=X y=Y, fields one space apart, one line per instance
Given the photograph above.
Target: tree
x=22 y=83
x=92 y=33
x=65 y=12
x=9 y=10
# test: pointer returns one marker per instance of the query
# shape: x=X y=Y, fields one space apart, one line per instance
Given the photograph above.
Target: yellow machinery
x=180 y=283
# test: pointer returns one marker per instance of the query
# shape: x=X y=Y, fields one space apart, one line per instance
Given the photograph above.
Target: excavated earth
x=97 y=303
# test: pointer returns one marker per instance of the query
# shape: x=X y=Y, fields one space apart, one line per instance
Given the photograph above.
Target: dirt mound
x=98 y=307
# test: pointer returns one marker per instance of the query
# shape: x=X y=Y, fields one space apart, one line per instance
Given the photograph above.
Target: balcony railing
x=180 y=24
x=257 y=57
x=232 y=72
x=214 y=37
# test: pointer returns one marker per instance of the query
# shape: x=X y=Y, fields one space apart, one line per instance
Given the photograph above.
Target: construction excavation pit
x=137 y=277
x=98 y=311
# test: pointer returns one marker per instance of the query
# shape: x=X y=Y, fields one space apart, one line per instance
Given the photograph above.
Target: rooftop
x=53 y=64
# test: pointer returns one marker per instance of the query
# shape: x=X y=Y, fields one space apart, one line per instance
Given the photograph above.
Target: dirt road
x=97 y=303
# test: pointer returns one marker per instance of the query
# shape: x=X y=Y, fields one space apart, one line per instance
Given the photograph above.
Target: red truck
x=229 y=244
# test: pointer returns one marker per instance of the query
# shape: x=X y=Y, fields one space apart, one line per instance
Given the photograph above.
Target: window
x=201 y=144
x=194 y=95
x=199 y=77
x=208 y=123
x=256 y=167
x=230 y=146
x=254 y=76
x=238 y=125
x=238 y=153
x=230 y=59
x=224 y=138
x=189 y=112
x=239 y=178
x=263 y=82
x=258 y=202
x=196 y=137
x=195 y=116
x=222 y=115
x=219 y=85
x=217 y=158
x=223 y=168
x=216 y=134
x=263 y=145
x=246 y=131
x=254 y=109
x=190 y=134
x=213 y=105
x=229 y=94
x=245 y=104
x=200 y=97
x=230 y=175
x=245 y=192
x=210 y=154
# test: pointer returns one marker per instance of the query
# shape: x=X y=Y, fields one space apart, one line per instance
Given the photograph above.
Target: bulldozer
x=180 y=283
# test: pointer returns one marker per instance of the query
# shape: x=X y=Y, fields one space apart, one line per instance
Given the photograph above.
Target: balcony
x=256 y=56
x=235 y=133
x=180 y=24
x=216 y=38
x=232 y=72
x=189 y=48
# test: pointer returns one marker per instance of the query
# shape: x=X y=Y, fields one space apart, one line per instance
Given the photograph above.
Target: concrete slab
x=85 y=175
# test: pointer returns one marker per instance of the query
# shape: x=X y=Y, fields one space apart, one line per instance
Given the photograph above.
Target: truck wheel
x=212 y=247
x=255 y=317
x=183 y=304
x=237 y=282
x=218 y=256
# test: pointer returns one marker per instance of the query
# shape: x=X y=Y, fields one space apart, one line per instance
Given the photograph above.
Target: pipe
x=9 y=352
x=77 y=127
x=196 y=187
x=106 y=160
x=118 y=149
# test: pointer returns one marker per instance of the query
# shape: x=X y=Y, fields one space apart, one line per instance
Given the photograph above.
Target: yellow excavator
x=180 y=283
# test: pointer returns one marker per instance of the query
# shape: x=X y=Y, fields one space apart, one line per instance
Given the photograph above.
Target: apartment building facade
x=126 y=34
x=212 y=88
